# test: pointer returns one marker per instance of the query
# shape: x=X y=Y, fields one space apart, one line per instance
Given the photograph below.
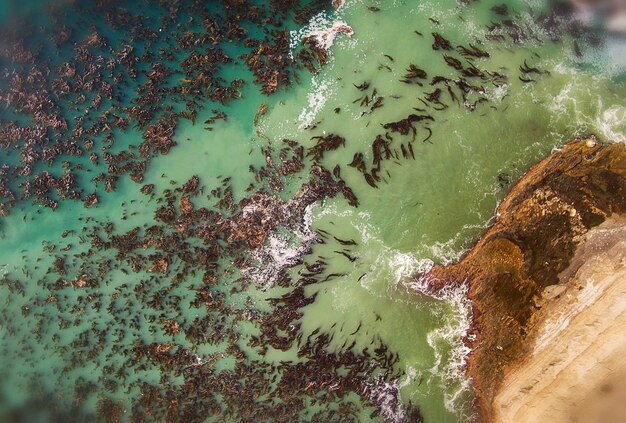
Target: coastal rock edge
x=532 y=283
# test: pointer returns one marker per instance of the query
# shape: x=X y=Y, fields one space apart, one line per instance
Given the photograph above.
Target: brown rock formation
x=538 y=228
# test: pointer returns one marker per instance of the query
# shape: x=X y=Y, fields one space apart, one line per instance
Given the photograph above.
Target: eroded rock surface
x=538 y=228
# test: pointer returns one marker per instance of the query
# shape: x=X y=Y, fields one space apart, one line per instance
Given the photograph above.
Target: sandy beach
x=575 y=372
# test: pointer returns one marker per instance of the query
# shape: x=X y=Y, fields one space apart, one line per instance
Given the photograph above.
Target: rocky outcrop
x=609 y=13
x=576 y=369
x=534 y=238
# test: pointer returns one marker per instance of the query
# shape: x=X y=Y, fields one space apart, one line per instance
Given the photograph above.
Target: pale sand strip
x=577 y=371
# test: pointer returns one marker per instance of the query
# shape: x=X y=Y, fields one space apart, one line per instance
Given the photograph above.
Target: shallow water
x=424 y=210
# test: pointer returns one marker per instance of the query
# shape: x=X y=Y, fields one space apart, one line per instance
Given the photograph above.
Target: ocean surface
x=138 y=309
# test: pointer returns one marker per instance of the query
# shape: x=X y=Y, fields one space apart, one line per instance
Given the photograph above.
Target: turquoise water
x=100 y=332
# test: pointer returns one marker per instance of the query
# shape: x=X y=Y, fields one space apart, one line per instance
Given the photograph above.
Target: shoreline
x=528 y=258
x=573 y=372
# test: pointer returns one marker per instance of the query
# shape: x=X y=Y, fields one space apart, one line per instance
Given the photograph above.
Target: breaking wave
x=283 y=249
x=386 y=395
x=448 y=341
x=395 y=269
x=323 y=28
x=611 y=124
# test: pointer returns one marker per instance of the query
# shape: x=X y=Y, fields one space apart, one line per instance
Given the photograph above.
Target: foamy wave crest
x=606 y=120
x=389 y=267
x=565 y=103
x=323 y=29
x=322 y=89
x=326 y=37
x=446 y=252
x=498 y=92
x=405 y=265
x=394 y=269
x=448 y=342
x=451 y=251
x=611 y=123
x=386 y=396
x=283 y=249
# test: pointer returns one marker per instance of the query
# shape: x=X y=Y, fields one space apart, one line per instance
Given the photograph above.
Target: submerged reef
x=171 y=296
x=72 y=88
x=520 y=260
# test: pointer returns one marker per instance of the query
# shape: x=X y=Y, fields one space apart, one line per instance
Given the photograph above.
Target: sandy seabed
x=576 y=371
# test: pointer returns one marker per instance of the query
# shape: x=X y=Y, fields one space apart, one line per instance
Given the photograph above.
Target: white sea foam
x=317 y=98
x=283 y=249
x=323 y=27
x=607 y=121
x=405 y=265
x=326 y=37
x=498 y=92
x=386 y=396
x=447 y=341
x=611 y=123
x=565 y=101
x=446 y=252
x=411 y=374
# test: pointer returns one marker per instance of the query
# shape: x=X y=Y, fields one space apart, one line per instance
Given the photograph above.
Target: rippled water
x=430 y=203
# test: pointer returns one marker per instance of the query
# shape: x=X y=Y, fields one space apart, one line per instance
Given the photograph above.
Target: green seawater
x=425 y=210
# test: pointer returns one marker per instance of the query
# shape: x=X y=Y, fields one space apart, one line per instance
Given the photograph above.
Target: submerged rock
x=518 y=261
